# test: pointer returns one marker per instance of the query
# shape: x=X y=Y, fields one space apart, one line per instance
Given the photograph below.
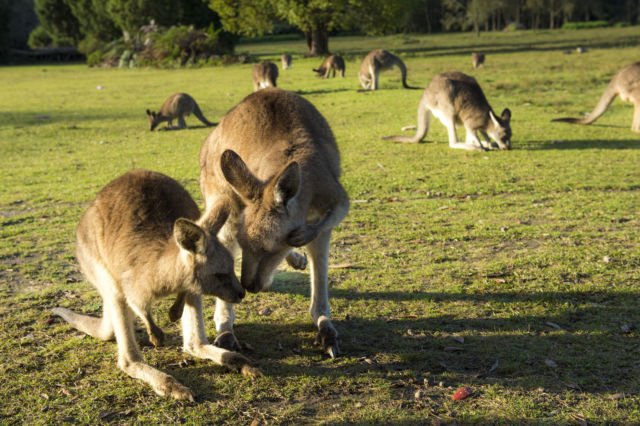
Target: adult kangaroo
x=377 y=61
x=140 y=240
x=274 y=160
x=177 y=107
x=626 y=84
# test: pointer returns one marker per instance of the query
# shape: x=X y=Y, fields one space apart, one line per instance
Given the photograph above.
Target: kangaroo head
x=154 y=119
x=500 y=129
x=208 y=265
x=270 y=216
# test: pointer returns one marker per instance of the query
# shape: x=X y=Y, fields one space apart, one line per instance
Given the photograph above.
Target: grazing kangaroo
x=275 y=161
x=177 y=106
x=285 y=59
x=139 y=241
x=477 y=59
x=456 y=97
x=626 y=84
x=330 y=65
x=265 y=75
x=376 y=62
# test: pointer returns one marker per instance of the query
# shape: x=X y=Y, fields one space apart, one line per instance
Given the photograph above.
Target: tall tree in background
x=130 y=15
x=93 y=19
x=58 y=21
x=315 y=18
x=5 y=12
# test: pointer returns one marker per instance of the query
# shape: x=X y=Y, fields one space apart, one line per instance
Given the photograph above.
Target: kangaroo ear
x=240 y=177
x=189 y=236
x=506 y=114
x=494 y=118
x=287 y=184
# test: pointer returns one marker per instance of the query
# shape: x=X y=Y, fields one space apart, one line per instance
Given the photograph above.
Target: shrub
x=39 y=38
x=584 y=25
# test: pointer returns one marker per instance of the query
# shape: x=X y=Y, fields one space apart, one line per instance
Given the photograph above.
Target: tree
x=93 y=19
x=58 y=21
x=315 y=18
x=130 y=15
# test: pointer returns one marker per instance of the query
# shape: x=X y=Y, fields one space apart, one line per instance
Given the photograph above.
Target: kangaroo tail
x=424 y=117
x=100 y=328
x=605 y=100
x=403 y=70
x=198 y=113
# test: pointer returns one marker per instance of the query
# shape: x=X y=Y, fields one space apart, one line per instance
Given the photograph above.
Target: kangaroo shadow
x=581 y=334
x=583 y=144
x=320 y=91
x=189 y=127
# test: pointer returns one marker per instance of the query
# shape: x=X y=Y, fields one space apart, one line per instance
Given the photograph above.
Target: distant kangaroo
x=454 y=97
x=177 y=106
x=626 y=84
x=265 y=75
x=376 y=62
x=285 y=59
x=275 y=161
x=330 y=65
x=139 y=241
x=477 y=59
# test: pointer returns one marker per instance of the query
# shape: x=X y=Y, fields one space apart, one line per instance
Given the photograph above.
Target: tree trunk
x=319 y=42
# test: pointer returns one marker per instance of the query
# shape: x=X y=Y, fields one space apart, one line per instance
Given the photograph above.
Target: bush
x=584 y=25
x=39 y=38
x=182 y=45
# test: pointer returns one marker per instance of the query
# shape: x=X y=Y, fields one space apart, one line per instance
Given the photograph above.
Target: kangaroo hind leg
x=635 y=124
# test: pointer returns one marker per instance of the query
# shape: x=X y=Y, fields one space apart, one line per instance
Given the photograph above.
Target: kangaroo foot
x=327 y=337
x=227 y=340
x=171 y=387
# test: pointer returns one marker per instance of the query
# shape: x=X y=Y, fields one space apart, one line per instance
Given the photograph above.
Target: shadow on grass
x=579 y=331
x=189 y=127
x=583 y=144
x=320 y=91
x=39 y=118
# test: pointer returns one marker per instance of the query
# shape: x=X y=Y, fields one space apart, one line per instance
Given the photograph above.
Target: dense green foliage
x=513 y=272
x=57 y=19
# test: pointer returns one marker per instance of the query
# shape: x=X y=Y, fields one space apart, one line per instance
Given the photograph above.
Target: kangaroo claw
x=227 y=340
x=328 y=338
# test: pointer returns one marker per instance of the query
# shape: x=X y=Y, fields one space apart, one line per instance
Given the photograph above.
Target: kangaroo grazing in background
x=454 y=97
x=265 y=75
x=626 y=84
x=141 y=240
x=285 y=59
x=477 y=59
x=376 y=62
x=330 y=65
x=274 y=160
x=177 y=106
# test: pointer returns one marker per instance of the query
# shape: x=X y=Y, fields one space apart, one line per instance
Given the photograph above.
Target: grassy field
x=515 y=272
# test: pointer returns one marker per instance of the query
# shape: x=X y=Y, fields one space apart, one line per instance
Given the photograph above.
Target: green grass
x=530 y=255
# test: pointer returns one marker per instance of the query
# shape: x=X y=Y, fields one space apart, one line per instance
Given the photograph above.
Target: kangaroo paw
x=241 y=363
x=156 y=337
x=297 y=260
x=327 y=337
x=227 y=340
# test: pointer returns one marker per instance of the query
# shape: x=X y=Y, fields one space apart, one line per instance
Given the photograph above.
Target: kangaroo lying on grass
x=376 y=62
x=274 y=160
x=456 y=97
x=139 y=241
x=177 y=106
x=265 y=75
x=330 y=65
x=626 y=84
x=285 y=59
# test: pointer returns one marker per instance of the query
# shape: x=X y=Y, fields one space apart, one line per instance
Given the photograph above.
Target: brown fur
x=377 y=61
x=176 y=107
x=477 y=59
x=137 y=242
x=454 y=97
x=275 y=161
x=330 y=65
x=264 y=75
x=285 y=60
x=626 y=84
